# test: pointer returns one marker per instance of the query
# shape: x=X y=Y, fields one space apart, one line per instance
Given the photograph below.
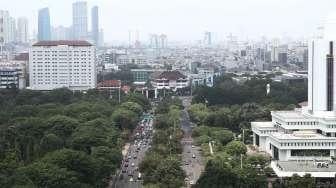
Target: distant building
x=9 y=78
x=79 y=20
x=171 y=80
x=61 y=33
x=283 y=57
x=8 y=28
x=44 y=28
x=95 y=25
x=57 y=64
x=22 y=30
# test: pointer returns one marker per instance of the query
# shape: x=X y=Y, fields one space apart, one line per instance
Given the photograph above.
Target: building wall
x=62 y=66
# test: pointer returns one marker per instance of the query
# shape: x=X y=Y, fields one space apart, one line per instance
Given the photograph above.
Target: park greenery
x=161 y=166
x=63 y=138
x=223 y=113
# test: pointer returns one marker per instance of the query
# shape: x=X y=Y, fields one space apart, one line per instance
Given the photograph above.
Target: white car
x=193 y=156
x=191 y=182
x=132 y=164
x=131 y=179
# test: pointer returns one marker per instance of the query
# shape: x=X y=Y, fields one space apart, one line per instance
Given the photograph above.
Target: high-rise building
x=8 y=27
x=44 y=29
x=300 y=139
x=22 y=30
x=95 y=25
x=72 y=66
x=79 y=20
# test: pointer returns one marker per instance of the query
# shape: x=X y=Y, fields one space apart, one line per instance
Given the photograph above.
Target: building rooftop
x=170 y=75
x=63 y=42
x=288 y=168
x=109 y=83
x=22 y=57
x=263 y=124
x=294 y=114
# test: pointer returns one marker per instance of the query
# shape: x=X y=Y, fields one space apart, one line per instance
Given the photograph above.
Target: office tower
x=8 y=27
x=163 y=41
x=73 y=65
x=79 y=20
x=44 y=29
x=307 y=133
x=95 y=25
x=22 y=30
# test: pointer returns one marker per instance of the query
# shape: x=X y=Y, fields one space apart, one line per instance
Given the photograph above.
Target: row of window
x=309 y=144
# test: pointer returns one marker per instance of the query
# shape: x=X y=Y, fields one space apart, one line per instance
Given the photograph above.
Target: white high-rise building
x=57 y=64
x=8 y=26
x=80 y=20
x=22 y=30
x=304 y=140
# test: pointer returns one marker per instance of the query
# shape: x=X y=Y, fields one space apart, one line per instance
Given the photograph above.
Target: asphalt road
x=191 y=158
x=128 y=177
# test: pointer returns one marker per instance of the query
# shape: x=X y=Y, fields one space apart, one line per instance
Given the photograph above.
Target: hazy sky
x=188 y=19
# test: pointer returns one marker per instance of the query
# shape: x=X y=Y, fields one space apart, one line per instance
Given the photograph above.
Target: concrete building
x=9 y=78
x=80 y=20
x=44 y=28
x=307 y=134
x=95 y=25
x=57 y=64
x=22 y=30
x=170 y=80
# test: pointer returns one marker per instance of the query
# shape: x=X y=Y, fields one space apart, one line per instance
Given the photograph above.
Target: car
x=126 y=165
x=191 y=182
x=132 y=164
x=188 y=151
x=130 y=173
x=186 y=163
x=129 y=157
x=192 y=146
x=139 y=176
x=131 y=179
x=193 y=156
x=126 y=160
x=123 y=170
x=134 y=157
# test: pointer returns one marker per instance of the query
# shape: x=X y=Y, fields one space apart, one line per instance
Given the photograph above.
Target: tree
x=125 y=119
x=301 y=182
x=236 y=148
x=84 y=166
x=51 y=142
x=49 y=175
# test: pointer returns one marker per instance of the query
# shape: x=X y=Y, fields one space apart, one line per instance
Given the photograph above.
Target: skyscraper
x=79 y=20
x=95 y=25
x=22 y=30
x=44 y=29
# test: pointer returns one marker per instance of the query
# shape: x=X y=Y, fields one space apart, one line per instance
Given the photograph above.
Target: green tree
x=236 y=148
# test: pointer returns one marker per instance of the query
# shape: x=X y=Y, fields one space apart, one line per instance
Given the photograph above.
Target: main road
x=191 y=158
x=129 y=175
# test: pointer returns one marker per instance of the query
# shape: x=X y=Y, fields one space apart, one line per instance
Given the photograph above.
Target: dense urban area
x=78 y=112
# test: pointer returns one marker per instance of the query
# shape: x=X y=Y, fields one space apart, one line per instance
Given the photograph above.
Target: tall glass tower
x=44 y=32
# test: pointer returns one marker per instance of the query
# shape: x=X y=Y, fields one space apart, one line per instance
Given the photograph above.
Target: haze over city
x=186 y=20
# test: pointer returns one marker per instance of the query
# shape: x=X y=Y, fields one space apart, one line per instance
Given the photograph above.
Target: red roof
x=171 y=75
x=63 y=42
x=109 y=83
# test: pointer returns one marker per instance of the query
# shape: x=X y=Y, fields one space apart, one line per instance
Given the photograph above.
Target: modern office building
x=304 y=140
x=44 y=28
x=7 y=27
x=22 y=30
x=57 y=64
x=95 y=25
x=80 y=20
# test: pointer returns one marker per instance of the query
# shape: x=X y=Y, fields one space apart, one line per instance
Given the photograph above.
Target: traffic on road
x=130 y=176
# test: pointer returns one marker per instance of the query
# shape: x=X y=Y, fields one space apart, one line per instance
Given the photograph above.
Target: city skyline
x=254 y=19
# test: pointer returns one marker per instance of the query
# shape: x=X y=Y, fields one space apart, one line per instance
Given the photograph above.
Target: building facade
x=44 y=28
x=57 y=64
x=95 y=25
x=9 y=78
x=79 y=20
x=22 y=30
